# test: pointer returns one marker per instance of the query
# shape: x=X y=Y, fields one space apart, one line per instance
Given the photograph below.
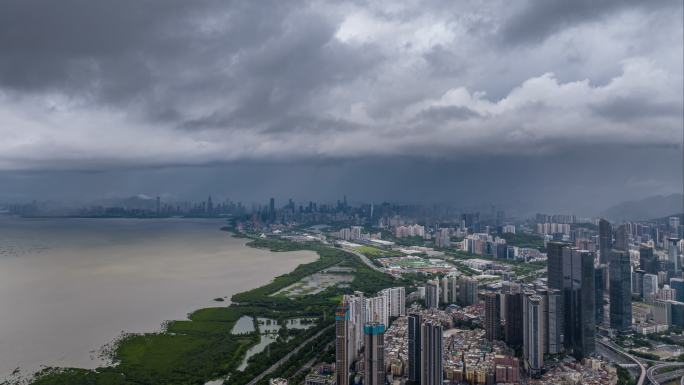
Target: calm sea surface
x=70 y=286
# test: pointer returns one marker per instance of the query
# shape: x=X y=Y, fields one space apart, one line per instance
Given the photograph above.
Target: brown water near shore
x=70 y=286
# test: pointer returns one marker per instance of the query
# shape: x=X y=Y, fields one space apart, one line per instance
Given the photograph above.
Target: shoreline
x=101 y=354
x=133 y=356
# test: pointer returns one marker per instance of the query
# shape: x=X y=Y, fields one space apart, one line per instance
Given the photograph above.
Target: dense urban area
x=409 y=294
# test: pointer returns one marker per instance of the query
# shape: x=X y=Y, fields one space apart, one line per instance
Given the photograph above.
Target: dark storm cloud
x=534 y=21
x=154 y=84
x=74 y=44
x=629 y=109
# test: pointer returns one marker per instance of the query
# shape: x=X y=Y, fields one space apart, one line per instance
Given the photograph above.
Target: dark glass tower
x=620 y=291
x=579 y=299
x=431 y=359
x=492 y=316
x=555 y=264
x=605 y=240
x=414 y=345
x=649 y=262
x=600 y=278
x=514 y=319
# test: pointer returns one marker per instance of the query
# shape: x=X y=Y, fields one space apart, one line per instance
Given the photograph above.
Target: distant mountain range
x=653 y=207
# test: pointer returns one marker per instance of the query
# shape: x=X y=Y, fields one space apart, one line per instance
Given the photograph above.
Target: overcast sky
x=569 y=104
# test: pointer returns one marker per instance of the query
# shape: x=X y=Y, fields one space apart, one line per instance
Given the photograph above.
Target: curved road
x=615 y=348
x=365 y=260
x=651 y=371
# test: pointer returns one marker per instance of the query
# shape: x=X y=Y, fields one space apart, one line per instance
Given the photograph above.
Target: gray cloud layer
x=130 y=83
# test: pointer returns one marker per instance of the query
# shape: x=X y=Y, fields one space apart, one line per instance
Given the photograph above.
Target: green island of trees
x=203 y=348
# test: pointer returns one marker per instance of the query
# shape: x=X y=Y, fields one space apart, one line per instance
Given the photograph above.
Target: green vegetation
x=374 y=252
x=409 y=241
x=202 y=347
x=521 y=268
x=187 y=352
x=648 y=356
x=70 y=376
x=524 y=240
x=624 y=377
x=640 y=341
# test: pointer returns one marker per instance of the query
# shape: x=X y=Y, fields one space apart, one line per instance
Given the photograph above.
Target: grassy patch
x=374 y=252
x=202 y=347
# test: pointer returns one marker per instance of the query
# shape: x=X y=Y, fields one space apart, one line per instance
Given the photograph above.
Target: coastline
x=206 y=331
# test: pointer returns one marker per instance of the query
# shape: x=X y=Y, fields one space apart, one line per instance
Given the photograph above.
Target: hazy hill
x=657 y=206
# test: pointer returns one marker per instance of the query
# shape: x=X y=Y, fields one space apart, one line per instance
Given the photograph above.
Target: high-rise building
x=621 y=238
x=675 y=267
x=355 y=232
x=467 y=291
x=678 y=285
x=341 y=345
x=638 y=283
x=453 y=286
x=620 y=291
x=414 y=348
x=377 y=310
x=600 y=277
x=666 y=293
x=555 y=264
x=444 y=291
x=271 y=210
x=650 y=287
x=356 y=304
x=554 y=321
x=431 y=295
x=662 y=311
x=533 y=340
x=578 y=301
x=605 y=240
x=677 y=313
x=210 y=206
x=431 y=360
x=492 y=316
x=374 y=354
x=647 y=261
x=514 y=319
x=395 y=298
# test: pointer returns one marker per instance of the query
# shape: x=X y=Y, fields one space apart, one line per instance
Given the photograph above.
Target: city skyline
x=400 y=101
x=320 y=192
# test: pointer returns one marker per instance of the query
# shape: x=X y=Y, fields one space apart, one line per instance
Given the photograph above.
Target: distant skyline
x=539 y=105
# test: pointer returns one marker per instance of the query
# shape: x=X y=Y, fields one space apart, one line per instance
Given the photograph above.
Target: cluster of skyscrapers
x=360 y=325
x=562 y=316
x=558 y=316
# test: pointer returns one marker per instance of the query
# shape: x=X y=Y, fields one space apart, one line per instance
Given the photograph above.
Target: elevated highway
x=626 y=360
x=665 y=372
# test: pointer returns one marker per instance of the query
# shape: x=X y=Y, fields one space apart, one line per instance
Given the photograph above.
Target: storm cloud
x=131 y=84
